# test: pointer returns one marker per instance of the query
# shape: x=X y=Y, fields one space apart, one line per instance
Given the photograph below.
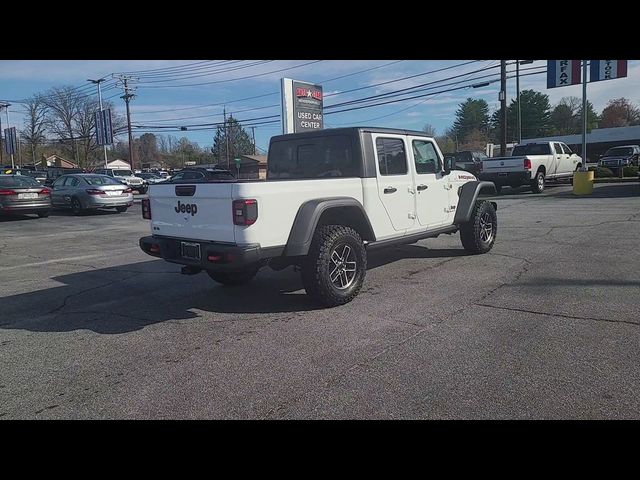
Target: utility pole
x=2 y=105
x=253 y=135
x=125 y=79
x=98 y=82
x=503 y=107
x=584 y=117
x=226 y=136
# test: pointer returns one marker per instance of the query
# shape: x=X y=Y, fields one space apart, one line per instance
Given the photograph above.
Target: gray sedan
x=22 y=194
x=89 y=191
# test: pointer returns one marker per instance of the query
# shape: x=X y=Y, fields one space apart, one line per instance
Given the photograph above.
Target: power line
x=205 y=74
x=233 y=79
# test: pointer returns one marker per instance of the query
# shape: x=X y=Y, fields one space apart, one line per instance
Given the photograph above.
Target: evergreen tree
x=239 y=142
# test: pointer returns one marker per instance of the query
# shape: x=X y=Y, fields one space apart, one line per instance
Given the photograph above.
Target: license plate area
x=26 y=196
x=502 y=174
x=190 y=250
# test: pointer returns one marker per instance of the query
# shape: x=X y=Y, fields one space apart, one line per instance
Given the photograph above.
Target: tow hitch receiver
x=188 y=270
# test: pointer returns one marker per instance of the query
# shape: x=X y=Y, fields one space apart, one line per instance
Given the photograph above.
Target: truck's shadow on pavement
x=129 y=297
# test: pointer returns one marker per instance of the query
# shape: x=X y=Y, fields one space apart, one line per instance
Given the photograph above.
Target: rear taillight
x=7 y=192
x=127 y=190
x=94 y=191
x=45 y=191
x=146 y=208
x=245 y=212
x=527 y=164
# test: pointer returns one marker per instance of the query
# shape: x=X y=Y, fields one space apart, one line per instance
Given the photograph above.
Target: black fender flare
x=309 y=213
x=468 y=195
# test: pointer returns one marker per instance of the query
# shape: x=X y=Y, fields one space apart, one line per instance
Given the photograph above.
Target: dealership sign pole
x=301 y=106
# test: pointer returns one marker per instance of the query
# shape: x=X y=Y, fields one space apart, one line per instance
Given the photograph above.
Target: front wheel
x=479 y=234
x=335 y=266
x=232 y=279
x=44 y=213
x=537 y=185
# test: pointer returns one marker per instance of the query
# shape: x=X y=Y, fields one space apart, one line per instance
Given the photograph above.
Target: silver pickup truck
x=531 y=164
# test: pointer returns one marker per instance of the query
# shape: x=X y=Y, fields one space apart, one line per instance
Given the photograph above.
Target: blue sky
x=165 y=97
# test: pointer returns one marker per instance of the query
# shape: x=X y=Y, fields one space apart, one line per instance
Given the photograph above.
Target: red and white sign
x=607 y=69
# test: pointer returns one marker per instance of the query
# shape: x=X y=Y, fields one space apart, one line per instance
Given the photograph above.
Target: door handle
x=390 y=190
x=422 y=187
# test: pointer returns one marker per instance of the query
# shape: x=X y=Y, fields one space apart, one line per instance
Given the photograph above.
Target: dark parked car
x=618 y=157
x=199 y=174
x=22 y=194
x=468 y=160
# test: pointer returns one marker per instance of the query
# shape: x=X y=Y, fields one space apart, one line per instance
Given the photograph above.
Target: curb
x=616 y=180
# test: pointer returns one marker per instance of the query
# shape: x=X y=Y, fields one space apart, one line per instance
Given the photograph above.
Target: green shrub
x=630 y=171
x=600 y=172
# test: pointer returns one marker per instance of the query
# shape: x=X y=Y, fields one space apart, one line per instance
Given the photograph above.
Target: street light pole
x=518 y=100
x=98 y=82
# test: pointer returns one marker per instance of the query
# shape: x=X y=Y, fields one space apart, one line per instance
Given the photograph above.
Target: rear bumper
x=108 y=202
x=507 y=178
x=213 y=256
x=31 y=207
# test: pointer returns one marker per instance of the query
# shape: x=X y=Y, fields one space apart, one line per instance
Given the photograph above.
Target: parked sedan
x=21 y=194
x=90 y=191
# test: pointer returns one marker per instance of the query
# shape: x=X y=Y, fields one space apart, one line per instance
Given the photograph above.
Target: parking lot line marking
x=47 y=262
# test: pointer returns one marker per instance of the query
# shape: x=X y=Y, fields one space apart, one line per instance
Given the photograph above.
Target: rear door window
x=392 y=158
x=557 y=148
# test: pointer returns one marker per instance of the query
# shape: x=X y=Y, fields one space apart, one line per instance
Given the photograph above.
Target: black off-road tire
x=44 y=213
x=121 y=209
x=475 y=233
x=234 y=279
x=538 y=183
x=318 y=265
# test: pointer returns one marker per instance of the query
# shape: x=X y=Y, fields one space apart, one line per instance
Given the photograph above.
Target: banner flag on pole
x=607 y=69
x=562 y=73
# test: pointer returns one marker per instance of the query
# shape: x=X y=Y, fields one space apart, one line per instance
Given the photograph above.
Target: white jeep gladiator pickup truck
x=329 y=197
x=531 y=164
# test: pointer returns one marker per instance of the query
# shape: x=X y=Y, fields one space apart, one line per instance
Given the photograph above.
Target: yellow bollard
x=583 y=183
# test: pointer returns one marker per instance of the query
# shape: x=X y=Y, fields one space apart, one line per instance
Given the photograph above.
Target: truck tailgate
x=198 y=211
x=503 y=165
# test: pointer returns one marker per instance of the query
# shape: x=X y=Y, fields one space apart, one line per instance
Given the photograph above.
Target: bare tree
x=33 y=133
x=429 y=129
x=63 y=105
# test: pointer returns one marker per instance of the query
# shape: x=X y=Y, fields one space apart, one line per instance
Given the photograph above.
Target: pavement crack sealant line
x=561 y=315
x=68 y=297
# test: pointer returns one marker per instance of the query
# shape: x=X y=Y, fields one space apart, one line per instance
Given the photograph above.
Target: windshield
x=619 y=152
x=23 y=181
x=123 y=173
x=531 y=149
x=101 y=180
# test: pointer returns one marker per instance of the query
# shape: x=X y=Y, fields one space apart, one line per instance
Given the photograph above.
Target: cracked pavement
x=544 y=326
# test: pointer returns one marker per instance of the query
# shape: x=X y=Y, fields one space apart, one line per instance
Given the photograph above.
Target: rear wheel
x=76 y=206
x=231 y=279
x=44 y=213
x=335 y=266
x=537 y=184
x=479 y=234
x=121 y=209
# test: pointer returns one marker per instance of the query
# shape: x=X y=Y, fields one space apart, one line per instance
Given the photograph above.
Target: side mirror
x=449 y=164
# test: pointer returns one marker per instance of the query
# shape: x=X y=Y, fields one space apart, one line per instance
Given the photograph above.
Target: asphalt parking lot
x=544 y=326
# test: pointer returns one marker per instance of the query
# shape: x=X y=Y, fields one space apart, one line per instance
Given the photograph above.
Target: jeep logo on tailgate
x=191 y=208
